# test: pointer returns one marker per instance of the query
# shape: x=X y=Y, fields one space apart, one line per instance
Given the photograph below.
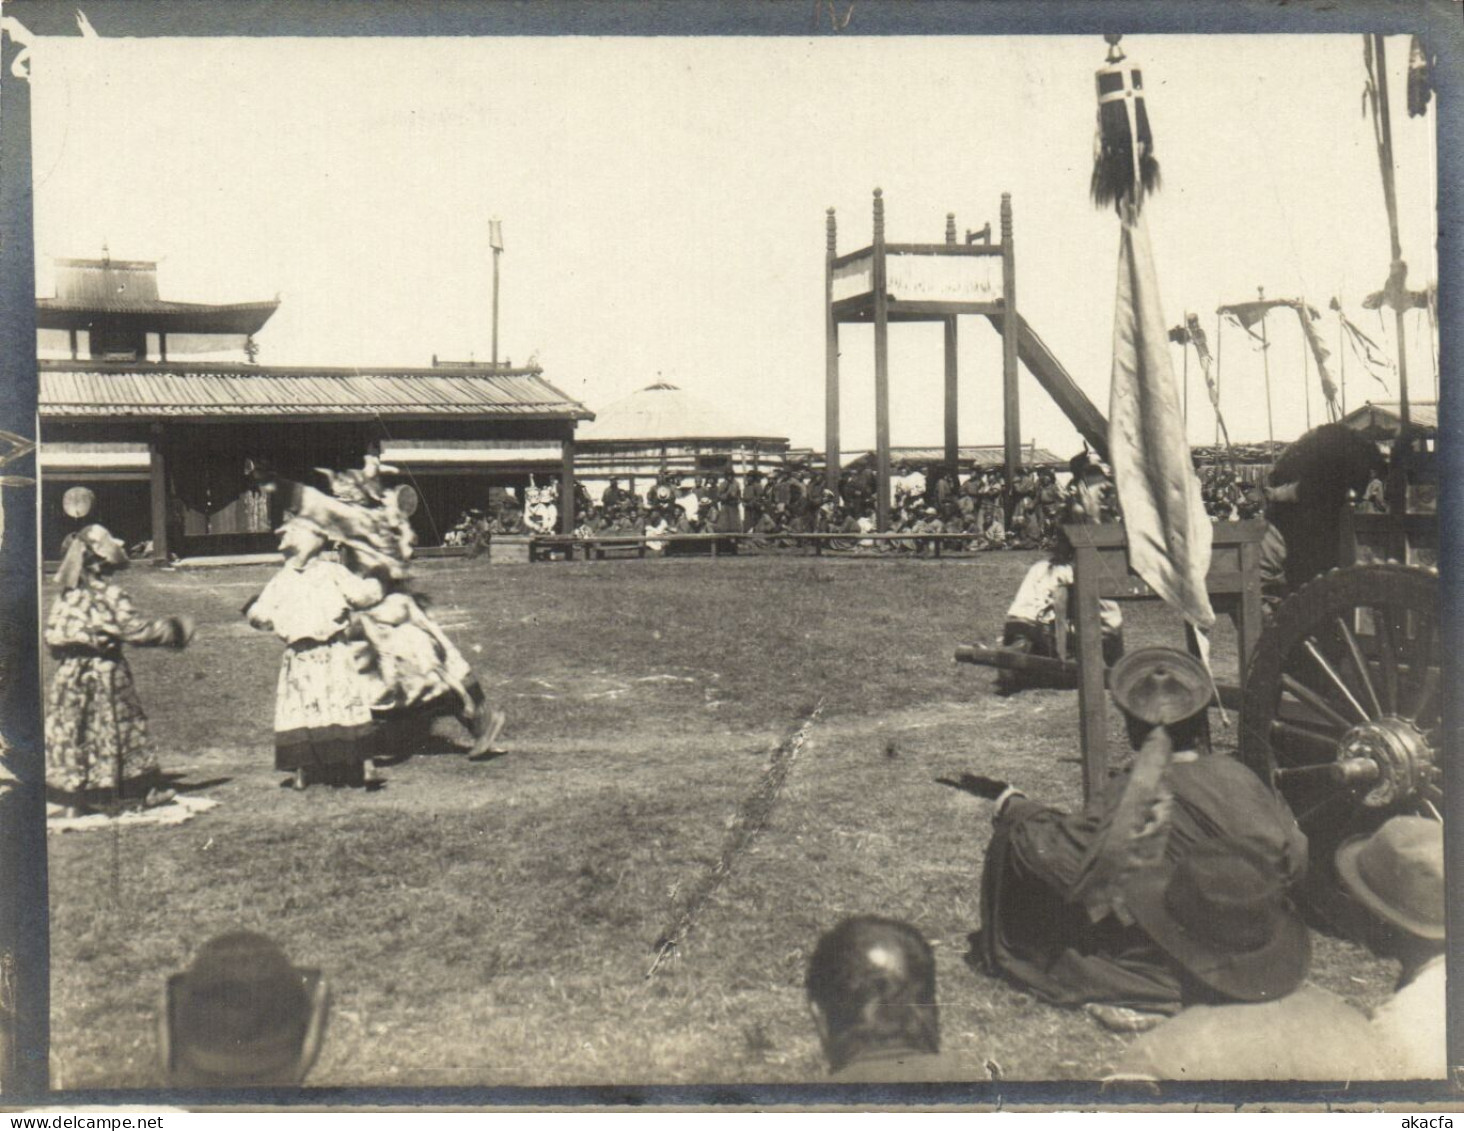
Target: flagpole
x=1390 y=199
x=495 y=241
x=1219 y=337
x=1266 y=369
x=1184 y=346
x=1305 y=377
x=1342 y=358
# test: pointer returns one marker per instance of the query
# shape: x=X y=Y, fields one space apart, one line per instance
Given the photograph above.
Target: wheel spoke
x=1359 y=665
x=1306 y=736
x=1313 y=700
x=1426 y=694
x=1310 y=644
x=1387 y=657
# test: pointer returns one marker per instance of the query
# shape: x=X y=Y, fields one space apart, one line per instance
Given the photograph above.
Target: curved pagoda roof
x=126 y=291
x=664 y=413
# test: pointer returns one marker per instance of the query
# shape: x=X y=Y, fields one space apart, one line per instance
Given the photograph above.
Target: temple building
x=664 y=428
x=165 y=443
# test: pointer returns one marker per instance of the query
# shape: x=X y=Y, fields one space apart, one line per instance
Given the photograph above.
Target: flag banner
x=1207 y=367
x=1207 y=363
x=1420 y=81
x=1309 y=317
x=1168 y=529
x=1367 y=351
x=1247 y=314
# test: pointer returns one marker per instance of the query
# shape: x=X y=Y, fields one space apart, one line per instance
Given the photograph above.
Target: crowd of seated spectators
x=796 y=500
x=1228 y=497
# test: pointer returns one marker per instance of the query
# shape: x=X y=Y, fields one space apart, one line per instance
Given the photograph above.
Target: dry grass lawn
x=494 y=923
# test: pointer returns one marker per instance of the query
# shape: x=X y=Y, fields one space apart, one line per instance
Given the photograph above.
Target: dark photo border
x=23 y=878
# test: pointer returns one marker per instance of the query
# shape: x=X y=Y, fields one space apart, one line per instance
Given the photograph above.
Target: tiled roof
x=98 y=390
x=1422 y=414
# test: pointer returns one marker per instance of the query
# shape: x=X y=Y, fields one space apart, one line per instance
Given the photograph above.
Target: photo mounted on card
x=726 y=554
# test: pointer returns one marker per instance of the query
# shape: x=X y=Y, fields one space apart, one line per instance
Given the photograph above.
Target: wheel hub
x=1388 y=757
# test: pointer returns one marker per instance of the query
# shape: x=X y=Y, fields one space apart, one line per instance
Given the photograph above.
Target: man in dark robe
x=754 y=501
x=1035 y=927
x=1305 y=501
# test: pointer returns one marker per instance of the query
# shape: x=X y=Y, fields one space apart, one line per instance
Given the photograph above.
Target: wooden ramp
x=1058 y=383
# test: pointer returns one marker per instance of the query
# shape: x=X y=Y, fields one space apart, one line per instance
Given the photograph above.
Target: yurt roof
x=664 y=412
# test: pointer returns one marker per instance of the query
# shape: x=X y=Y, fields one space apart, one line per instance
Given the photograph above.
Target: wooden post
x=566 y=485
x=1249 y=619
x=158 y=491
x=72 y=335
x=881 y=370
x=1092 y=700
x=1011 y=412
x=832 y=458
x=952 y=427
x=162 y=346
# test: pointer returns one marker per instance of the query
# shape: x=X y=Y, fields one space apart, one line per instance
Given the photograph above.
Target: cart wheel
x=1342 y=709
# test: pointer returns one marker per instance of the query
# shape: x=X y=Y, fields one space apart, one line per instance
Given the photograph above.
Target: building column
x=832 y=459
x=881 y=371
x=1011 y=412
x=158 y=485
x=566 y=485
x=952 y=427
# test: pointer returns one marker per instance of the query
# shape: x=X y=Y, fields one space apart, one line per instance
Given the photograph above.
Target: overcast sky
x=663 y=203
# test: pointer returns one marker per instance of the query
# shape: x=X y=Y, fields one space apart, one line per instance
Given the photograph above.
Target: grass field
x=494 y=923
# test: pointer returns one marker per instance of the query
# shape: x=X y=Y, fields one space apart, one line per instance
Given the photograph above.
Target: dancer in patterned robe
x=97 y=747
x=410 y=664
x=322 y=702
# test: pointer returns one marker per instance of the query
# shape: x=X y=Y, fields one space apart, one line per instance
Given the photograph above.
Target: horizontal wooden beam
x=860 y=308
x=852 y=257
x=974 y=250
x=1106 y=534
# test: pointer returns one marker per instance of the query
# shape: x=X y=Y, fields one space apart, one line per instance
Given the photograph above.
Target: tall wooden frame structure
x=938 y=282
x=930 y=282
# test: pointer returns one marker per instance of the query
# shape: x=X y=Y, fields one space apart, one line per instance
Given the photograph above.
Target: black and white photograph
x=727 y=557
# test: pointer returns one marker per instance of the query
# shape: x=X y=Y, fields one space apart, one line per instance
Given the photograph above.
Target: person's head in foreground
x=242 y=1015
x=1222 y=914
x=871 y=987
x=1397 y=874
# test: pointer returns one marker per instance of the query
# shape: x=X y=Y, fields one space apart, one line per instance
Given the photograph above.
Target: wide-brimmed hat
x=242 y=1013
x=1160 y=686
x=1397 y=873
x=1221 y=912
